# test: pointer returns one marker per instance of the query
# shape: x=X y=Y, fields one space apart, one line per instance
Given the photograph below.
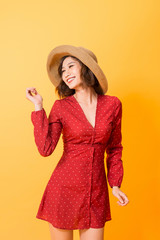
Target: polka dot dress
x=76 y=196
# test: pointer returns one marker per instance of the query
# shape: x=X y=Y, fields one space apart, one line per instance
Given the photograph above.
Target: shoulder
x=56 y=107
x=62 y=100
x=56 y=103
x=111 y=99
x=60 y=104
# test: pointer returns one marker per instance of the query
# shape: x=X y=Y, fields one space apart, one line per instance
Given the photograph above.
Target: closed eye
x=69 y=67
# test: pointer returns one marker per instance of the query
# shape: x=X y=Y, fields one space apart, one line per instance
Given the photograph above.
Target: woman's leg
x=60 y=234
x=91 y=233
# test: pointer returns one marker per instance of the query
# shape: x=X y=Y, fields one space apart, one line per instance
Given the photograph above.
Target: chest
x=89 y=112
x=83 y=123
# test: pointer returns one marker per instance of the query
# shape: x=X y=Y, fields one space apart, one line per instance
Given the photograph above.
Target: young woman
x=76 y=196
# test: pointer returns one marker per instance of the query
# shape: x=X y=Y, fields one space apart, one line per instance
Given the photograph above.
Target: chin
x=72 y=87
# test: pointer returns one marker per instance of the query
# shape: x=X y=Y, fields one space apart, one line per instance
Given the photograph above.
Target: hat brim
x=84 y=56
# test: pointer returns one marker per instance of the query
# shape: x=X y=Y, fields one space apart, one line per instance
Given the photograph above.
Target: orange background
x=125 y=37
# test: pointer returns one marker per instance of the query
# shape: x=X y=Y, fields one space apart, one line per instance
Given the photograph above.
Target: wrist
x=38 y=107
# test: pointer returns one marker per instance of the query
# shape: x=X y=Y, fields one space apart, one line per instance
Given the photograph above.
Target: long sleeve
x=115 y=170
x=47 y=131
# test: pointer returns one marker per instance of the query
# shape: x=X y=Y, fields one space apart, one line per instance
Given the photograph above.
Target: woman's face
x=71 y=71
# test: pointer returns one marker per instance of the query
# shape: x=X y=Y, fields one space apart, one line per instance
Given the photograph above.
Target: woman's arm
x=114 y=149
x=47 y=131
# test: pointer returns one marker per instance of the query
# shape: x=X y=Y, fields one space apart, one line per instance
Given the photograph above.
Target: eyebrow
x=69 y=63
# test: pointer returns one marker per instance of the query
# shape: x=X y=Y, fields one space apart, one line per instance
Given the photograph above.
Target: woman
x=76 y=196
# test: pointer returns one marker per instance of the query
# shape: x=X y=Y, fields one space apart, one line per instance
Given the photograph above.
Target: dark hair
x=88 y=78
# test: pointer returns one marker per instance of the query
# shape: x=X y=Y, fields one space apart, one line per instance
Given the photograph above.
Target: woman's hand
x=123 y=200
x=36 y=99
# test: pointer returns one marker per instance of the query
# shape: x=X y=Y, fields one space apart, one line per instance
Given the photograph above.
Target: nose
x=67 y=73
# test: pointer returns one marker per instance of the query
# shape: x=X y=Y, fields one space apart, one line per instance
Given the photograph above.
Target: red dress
x=76 y=196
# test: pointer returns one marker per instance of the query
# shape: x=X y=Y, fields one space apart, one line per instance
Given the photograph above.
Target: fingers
x=30 y=94
x=123 y=199
x=122 y=204
x=31 y=90
x=34 y=96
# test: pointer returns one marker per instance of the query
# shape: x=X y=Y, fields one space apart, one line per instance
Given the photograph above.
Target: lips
x=70 y=79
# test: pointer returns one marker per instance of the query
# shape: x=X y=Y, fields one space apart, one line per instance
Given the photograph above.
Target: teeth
x=70 y=79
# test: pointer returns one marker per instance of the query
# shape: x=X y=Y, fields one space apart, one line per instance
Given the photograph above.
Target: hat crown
x=89 y=52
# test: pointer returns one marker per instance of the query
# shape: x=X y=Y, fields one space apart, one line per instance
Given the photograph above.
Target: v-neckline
x=84 y=113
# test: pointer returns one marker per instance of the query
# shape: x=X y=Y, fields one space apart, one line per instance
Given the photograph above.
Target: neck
x=85 y=96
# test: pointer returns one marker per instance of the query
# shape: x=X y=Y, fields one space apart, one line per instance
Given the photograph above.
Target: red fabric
x=76 y=196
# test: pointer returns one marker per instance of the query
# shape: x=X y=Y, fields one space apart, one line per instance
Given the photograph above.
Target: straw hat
x=86 y=56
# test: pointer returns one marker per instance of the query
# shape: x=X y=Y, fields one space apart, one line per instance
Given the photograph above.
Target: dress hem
x=45 y=219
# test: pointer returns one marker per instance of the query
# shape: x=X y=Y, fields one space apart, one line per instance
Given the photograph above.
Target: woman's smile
x=71 y=73
x=70 y=79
